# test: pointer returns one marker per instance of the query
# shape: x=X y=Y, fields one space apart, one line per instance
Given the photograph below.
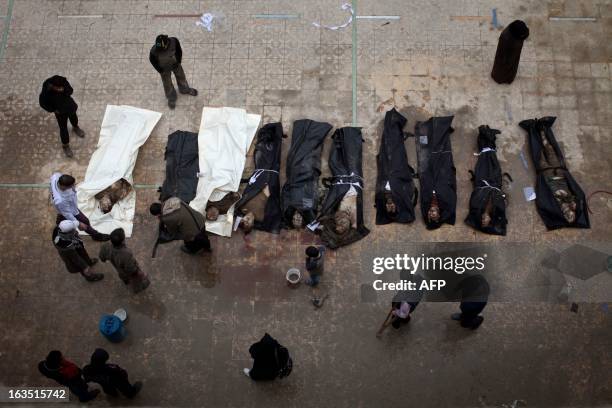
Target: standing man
x=124 y=262
x=181 y=220
x=166 y=56
x=111 y=377
x=56 y=98
x=72 y=251
x=63 y=195
x=66 y=373
x=474 y=296
x=314 y=264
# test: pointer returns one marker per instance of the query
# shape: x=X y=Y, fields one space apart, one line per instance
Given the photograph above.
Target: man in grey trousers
x=166 y=56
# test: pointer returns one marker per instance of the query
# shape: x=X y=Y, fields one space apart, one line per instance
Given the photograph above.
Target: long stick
x=385 y=324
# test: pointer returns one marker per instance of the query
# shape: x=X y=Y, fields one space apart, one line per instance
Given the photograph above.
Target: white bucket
x=293 y=277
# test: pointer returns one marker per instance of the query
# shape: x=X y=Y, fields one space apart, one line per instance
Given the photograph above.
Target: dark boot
x=78 y=131
x=67 y=151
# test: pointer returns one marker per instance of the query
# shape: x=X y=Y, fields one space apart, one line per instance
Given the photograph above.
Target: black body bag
x=488 y=201
x=266 y=173
x=301 y=190
x=345 y=162
x=395 y=178
x=437 y=173
x=552 y=175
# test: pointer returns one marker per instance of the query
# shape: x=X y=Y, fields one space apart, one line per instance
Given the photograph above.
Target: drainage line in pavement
x=354 y=63
x=277 y=16
x=7 y=26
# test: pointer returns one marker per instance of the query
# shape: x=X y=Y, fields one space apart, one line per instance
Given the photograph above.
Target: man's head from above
x=162 y=41
x=67 y=226
x=297 y=220
x=212 y=213
x=56 y=84
x=342 y=220
x=155 y=209
x=390 y=205
x=117 y=237
x=54 y=359
x=65 y=182
x=312 y=252
x=248 y=222
x=433 y=214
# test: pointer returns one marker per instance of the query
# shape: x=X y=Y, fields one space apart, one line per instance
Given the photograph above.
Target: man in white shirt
x=63 y=195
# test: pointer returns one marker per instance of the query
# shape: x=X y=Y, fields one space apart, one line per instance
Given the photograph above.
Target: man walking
x=56 y=98
x=124 y=262
x=166 y=56
x=63 y=195
x=111 y=377
x=474 y=296
x=66 y=373
x=314 y=264
x=181 y=220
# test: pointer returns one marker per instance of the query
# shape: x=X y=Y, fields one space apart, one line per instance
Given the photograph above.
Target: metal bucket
x=294 y=277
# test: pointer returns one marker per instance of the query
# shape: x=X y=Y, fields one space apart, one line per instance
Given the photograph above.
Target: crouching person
x=180 y=219
x=124 y=262
x=71 y=249
x=111 y=377
x=270 y=360
x=66 y=373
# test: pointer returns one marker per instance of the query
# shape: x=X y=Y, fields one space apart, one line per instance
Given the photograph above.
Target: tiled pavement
x=189 y=333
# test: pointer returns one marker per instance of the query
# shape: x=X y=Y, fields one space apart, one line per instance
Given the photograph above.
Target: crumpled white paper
x=345 y=6
x=206 y=21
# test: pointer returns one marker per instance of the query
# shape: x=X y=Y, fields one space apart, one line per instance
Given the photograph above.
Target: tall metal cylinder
x=508 y=52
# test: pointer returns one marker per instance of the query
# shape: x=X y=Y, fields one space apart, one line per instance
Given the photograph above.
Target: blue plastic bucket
x=112 y=328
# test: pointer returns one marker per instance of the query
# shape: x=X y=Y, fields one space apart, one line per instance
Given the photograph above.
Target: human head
x=65 y=182
x=212 y=213
x=155 y=209
x=117 y=237
x=99 y=357
x=57 y=83
x=390 y=206
x=343 y=222
x=162 y=41
x=54 y=359
x=68 y=226
x=485 y=219
x=248 y=222
x=312 y=252
x=569 y=212
x=297 y=220
x=434 y=213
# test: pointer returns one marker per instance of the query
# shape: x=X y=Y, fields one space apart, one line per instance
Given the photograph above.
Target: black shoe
x=136 y=387
x=100 y=237
x=193 y=92
x=476 y=322
x=67 y=151
x=172 y=104
x=78 y=131
x=91 y=395
x=94 y=277
x=186 y=250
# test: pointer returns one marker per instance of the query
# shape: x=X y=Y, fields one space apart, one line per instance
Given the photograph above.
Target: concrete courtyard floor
x=189 y=333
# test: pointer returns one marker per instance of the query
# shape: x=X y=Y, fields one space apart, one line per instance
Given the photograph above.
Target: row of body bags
x=333 y=206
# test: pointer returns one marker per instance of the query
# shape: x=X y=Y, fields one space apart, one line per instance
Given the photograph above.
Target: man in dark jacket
x=166 y=56
x=182 y=221
x=270 y=360
x=111 y=377
x=66 y=373
x=72 y=250
x=56 y=97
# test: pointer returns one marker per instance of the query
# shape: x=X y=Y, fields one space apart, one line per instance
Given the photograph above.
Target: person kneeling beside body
x=180 y=219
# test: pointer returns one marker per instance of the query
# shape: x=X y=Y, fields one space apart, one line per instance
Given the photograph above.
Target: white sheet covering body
x=124 y=129
x=223 y=141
